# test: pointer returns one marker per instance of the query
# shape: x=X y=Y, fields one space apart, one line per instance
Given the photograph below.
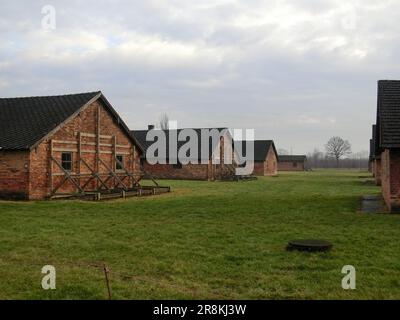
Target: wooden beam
x=93 y=135
x=51 y=166
x=95 y=151
x=114 y=175
x=133 y=162
x=67 y=177
x=79 y=156
x=114 y=153
x=65 y=142
x=86 y=174
x=94 y=175
x=136 y=182
x=98 y=143
x=94 y=144
x=53 y=192
x=65 y=150
x=148 y=175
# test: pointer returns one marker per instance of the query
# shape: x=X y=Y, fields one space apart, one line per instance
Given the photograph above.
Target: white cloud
x=308 y=64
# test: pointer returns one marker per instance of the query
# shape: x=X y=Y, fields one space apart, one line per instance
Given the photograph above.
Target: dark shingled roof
x=261 y=148
x=374 y=145
x=24 y=122
x=388 y=115
x=292 y=158
x=140 y=136
x=371 y=150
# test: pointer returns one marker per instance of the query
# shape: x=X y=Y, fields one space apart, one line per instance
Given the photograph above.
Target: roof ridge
x=180 y=129
x=53 y=96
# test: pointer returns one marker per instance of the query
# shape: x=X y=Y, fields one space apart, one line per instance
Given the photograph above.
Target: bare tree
x=315 y=158
x=337 y=148
x=164 y=122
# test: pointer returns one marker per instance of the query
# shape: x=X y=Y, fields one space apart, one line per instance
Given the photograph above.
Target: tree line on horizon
x=337 y=154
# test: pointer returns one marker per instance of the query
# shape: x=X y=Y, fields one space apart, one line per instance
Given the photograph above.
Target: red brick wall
x=259 y=168
x=191 y=171
x=86 y=121
x=290 y=166
x=394 y=180
x=390 y=177
x=14 y=174
x=271 y=163
x=269 y=167
x=373 y=168
x=187 y=172
x=377 y=172
x=384 y=175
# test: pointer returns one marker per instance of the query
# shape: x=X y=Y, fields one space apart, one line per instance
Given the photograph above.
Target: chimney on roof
x=151 y=126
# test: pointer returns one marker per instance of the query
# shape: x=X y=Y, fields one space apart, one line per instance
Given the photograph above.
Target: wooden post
x=98 y=144
x=133 y=159
x=114 y=155
x=106 y=272
x=51 y=167
x=79 y=157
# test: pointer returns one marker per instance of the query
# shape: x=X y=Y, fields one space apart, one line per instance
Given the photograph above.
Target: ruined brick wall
x=45 y=176
x=291 y=166
x=14 y=174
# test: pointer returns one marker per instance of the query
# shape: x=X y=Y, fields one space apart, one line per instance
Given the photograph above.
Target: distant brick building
x=371 y=157
x=265 y=158
x=292 y=163
x=375 y=157
x=64 y=145
x=387 y=142
x=196 y=169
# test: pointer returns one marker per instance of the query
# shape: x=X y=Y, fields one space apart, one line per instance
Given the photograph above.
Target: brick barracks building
x=387 y=142
x=375 y=158
x=196 y=169
x=265 y=158
x=66 y=145
x=292 y=163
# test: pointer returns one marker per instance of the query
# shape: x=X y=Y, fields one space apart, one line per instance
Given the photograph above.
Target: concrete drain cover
x=310 y=245
x=372 y=204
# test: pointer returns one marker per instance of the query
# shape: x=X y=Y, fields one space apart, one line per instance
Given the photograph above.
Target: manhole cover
x=372 y=204
x=371 y=198
x=310 y=245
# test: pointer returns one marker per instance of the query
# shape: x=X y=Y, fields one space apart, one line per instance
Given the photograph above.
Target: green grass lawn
x=221 y=240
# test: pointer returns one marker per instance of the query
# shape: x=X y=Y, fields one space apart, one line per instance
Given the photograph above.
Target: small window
x=66 y=161
x=177 y=165
x=119 y=163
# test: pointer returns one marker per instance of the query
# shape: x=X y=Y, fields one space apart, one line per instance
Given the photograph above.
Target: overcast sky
x=296 y=71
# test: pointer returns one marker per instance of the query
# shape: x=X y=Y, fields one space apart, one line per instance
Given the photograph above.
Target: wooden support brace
x=135 y=181
x=112 y=173
x=148 y=175
x=67 y=176
x=94 y=176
